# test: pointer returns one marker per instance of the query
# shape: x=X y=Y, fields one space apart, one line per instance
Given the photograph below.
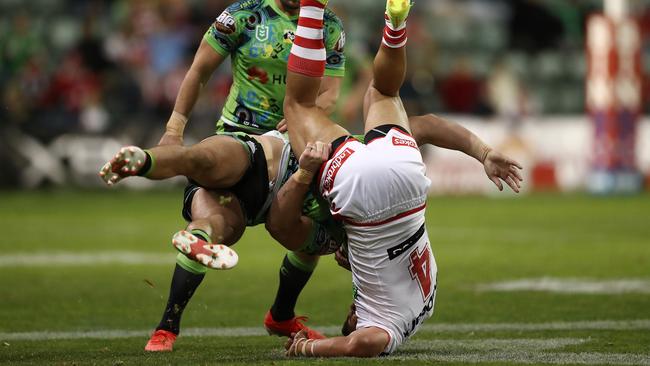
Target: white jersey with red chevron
x=379 y=190
x=367 y=184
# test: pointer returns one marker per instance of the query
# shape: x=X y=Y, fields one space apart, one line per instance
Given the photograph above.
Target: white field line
x=571 y=285
x=332 y=330
x=69 y=259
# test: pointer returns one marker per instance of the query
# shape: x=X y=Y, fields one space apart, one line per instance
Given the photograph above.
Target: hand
x=341 y=257
x=314 y=156
x=293 y=342
x=170 y=139
x=499 y=167
x=282 y=126
x=350 y=324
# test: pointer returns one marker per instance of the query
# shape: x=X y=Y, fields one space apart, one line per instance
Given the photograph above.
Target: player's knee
x=362 y=346
x=274 y=227
x=280 y=231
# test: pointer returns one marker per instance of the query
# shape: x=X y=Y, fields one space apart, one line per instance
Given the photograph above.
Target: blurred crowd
x=114 y=67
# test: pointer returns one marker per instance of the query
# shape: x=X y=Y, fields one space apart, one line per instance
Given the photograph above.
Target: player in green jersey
x=257 y=35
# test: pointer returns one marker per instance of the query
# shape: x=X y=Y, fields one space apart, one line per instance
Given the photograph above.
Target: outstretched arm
x=431 y=129
x=364 y=342
x=285 y=221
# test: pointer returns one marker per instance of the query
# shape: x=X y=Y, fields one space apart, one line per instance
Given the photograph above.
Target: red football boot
x=287 y=327
x=215 y=256
x=161 y=341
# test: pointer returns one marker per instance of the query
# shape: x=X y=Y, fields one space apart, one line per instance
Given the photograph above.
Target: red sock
x=308 y=51
x=394 y=37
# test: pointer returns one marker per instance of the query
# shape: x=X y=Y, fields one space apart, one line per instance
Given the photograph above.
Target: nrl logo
x=262 y=32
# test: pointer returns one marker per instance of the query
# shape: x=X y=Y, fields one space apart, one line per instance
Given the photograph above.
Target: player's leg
x=217 y=162
x=382 y=104
x=305 y=121
x=295 y=271
x=216 y=218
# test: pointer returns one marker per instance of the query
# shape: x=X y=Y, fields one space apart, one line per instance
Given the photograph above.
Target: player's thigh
x=380 y=110
x=221 y=210
x=219 y=161
x=308 y=123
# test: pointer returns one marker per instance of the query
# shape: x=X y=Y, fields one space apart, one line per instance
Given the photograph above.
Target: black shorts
x=252 y=189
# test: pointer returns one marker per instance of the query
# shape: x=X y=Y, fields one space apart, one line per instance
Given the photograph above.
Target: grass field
x=539 y=279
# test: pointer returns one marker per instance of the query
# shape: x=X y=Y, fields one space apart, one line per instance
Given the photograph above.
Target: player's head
x=290 y=4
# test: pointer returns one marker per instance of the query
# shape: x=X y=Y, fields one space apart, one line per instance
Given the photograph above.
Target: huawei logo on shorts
x=334 y=167
x=404 y=142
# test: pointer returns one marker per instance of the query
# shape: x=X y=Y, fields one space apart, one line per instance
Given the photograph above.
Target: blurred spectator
x=506 y=94
x=461 y=91
x=115 y=66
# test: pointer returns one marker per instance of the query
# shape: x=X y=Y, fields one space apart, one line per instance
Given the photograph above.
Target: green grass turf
x=475 y=240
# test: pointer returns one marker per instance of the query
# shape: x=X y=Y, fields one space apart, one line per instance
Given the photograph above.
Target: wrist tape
x=176 y=124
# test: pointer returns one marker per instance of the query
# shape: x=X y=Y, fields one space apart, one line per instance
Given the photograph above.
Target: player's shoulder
x=330 y=18
x=244 y=5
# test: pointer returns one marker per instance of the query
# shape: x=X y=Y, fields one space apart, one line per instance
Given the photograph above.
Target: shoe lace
x=159 y=337
x=299 y=320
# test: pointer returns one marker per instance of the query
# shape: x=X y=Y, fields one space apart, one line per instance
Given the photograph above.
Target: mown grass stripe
x=571 y=285
x=258 y=331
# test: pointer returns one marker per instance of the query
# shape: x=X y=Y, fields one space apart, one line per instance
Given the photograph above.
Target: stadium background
x=79 y=79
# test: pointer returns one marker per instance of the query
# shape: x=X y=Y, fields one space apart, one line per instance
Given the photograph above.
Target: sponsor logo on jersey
x=398 y=141
x=340 y=45
x=424 y=314
x=225 y=23
x=262 y=32
x=334 y=167
x=402 y=247
x=289 y=36
x=280 y=79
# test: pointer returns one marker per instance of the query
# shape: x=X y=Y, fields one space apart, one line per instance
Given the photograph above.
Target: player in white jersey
x=378 y=189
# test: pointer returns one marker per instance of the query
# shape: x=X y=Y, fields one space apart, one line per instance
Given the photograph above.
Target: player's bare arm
x=364 y=342
x=285 y=221
x=206 y=61
x=434 y=130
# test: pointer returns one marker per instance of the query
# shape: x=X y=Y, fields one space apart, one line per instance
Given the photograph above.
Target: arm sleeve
x=224 y=34
x=334 y=45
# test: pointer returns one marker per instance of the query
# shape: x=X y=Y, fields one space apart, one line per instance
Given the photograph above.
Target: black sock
x=184 y=283
x=292 y=281
x=148 y=162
